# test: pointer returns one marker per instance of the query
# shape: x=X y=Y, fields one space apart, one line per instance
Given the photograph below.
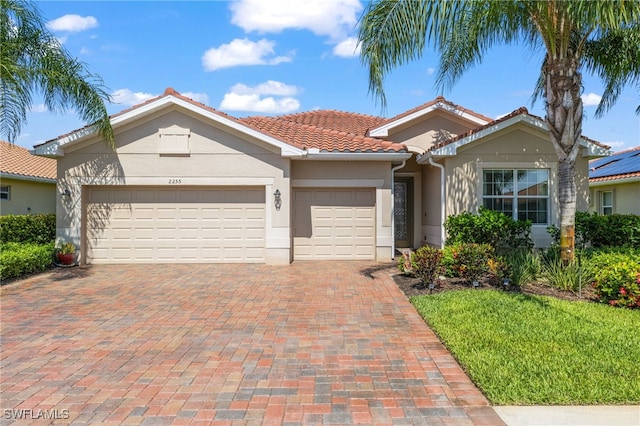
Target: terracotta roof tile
x=435 y=102
x=18 y=161
x=329 y=131
x=615 y=177
x=295 y=130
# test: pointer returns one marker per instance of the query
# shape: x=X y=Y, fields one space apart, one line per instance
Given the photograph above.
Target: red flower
x=613 y=302
x=623 y=291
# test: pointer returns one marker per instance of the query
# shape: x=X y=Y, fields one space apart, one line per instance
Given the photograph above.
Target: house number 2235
x=175 y=181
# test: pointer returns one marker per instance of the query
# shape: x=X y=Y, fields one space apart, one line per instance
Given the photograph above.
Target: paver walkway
x=307 y=343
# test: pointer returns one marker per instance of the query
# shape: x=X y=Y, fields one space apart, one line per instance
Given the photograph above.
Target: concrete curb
x=598 y=415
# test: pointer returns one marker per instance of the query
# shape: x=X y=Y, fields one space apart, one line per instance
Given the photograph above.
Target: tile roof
x=16 y=160
x=328 y=131
x=322 y=138
x=433 y=102
x=618 y=166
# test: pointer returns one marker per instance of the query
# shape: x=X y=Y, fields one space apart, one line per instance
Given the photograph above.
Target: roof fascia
x=383 y=131
x=314 y=154
x=616 y=181
x=15 y=176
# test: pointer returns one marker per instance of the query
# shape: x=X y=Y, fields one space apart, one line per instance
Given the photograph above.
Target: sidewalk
x=598 y=415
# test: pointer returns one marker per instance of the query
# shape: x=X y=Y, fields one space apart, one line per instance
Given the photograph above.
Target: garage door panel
x=334 y=223
x=155 y=225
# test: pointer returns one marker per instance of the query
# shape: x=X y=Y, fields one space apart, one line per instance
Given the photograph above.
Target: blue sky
x=265 y=57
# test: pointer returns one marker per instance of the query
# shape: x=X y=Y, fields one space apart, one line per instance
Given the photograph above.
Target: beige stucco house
x=27 y=182
x=614 y=183
x=187 y=183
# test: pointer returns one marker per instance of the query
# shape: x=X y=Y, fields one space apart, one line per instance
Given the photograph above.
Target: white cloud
x=245 y=98
x=85 y=51
x=203 y=98
x=430 y=70
x=254 y=103
x=269 y=87
x=241 y=52
x=615 y=144
x=72 y=23
x=129 y=98
x=591 y=99
x=39 y=108
x=333 y=18
x=347 y=48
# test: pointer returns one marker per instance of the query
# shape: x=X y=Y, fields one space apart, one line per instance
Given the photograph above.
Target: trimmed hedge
x=489 y=227
x=17 y=259
x=33 y=228
x=616 y=230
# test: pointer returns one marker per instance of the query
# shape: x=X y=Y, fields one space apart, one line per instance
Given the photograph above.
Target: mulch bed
x=412 y=286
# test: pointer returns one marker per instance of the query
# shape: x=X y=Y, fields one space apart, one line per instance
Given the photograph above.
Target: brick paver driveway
x=308 y=343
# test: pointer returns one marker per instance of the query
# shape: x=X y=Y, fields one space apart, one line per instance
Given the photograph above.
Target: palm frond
x=31 y=59
x=615 y=58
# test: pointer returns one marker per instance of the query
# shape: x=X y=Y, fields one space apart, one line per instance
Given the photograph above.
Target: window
x=5 y=192
x=606 y=202
x=522 y=193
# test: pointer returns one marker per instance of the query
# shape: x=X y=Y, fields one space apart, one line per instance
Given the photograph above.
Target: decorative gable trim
x=439 y=104
x=55 y=148
x=450 y=148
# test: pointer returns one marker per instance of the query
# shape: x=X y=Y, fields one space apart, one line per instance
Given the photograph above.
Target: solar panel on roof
x=627 y=162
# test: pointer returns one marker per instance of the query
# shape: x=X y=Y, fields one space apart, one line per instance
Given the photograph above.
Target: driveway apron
x=306 y=343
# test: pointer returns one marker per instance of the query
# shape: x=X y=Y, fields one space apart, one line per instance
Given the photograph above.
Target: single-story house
x=614 y=183
x=188 y=183
x=27 y=182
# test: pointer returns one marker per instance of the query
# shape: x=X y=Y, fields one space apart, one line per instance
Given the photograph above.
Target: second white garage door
x=334 y=223
x=175 y=225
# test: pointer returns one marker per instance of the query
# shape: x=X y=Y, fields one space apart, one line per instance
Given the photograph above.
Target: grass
x=523 y=350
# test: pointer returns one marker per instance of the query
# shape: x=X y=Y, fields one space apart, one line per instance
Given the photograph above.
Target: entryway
x=402 y=212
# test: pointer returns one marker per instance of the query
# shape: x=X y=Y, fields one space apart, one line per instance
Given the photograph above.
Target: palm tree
x=33 y=60
x=574 y=36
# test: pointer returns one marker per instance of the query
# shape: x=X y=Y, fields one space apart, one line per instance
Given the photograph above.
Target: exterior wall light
x=66 y=193
x=277 y=200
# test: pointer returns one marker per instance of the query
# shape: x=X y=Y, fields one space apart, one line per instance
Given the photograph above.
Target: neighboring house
x=614 y=183
x=27 y=182
x=187 y=183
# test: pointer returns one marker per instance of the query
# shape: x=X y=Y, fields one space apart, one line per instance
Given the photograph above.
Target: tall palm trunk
x=563 y=83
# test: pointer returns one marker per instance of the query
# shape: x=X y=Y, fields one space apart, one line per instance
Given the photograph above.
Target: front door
x=402 y=209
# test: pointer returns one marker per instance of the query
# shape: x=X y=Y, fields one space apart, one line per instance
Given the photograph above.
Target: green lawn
x=521 y=349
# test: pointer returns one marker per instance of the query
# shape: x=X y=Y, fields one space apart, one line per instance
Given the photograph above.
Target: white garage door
x=184 y=225
x=334 y=224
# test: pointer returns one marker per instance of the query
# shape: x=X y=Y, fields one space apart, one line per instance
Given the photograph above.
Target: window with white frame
x=606 y=202
x=5 y=192
x=522 y=194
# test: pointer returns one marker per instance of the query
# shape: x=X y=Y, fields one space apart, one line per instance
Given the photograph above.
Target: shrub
x=489 y=227
x=427 y=264
x=617 y=280
x=17 y=259
x=616 y=230
x=33 y=228
x=499 y=269
x=470 y=260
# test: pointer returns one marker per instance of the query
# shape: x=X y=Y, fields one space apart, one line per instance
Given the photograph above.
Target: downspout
x=443 y=198
x=393 y=207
